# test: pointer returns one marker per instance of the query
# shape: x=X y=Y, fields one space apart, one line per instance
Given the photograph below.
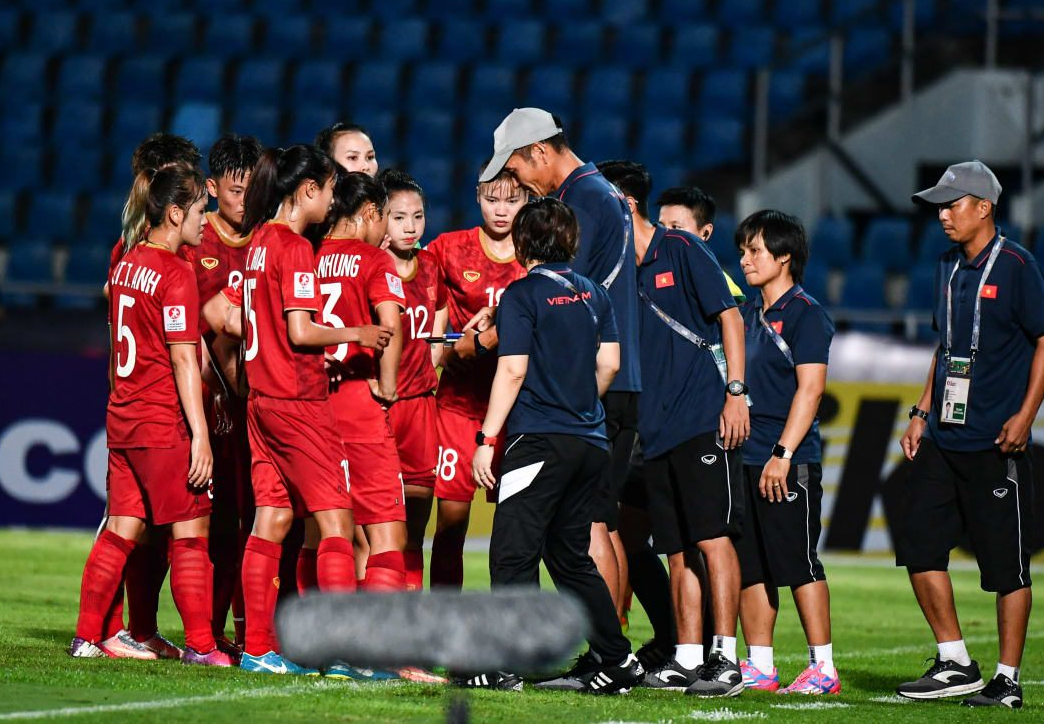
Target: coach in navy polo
x=968 y=435
x=531 y=143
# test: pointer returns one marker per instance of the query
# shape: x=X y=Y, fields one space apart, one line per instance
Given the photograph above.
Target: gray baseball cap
x=522 y=127
x=962 y=179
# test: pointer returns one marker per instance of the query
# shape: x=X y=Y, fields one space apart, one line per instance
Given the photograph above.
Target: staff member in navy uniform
x=559 y=350
x=531 y=144
x=788 y=345
x=968 y=437
x=692 y=418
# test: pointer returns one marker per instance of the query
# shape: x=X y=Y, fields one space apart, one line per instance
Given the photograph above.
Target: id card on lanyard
x=957 y=387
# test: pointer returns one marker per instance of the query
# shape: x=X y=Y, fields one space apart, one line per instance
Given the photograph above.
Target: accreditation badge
x=956 y=390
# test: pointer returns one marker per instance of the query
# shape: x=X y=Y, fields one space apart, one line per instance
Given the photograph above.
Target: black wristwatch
x=916 y=411
x=480 y=351
x=481 y=439
x=737 y=388
x=779 y=451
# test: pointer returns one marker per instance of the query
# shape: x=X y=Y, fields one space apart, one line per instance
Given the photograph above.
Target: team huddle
x=301 y=354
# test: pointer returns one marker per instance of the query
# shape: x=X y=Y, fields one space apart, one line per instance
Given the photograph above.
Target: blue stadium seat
x=661 y=140
x=604 y=137
x=383 y=129
x=80 y=170
x=924 y=13
x=29 y=261
x=797 y=14
x=134 y=121
x=347 y=37
x=676 y=11
x=741 y=13
x=104 y=219
x=375 y=85
x=451 y=8
x=695 y=45
x=200 y=79
x=461 y=41
x=53 y=215
x=437 y=219
x=863 y=289
x=142 y=79
x=8 y=215
x=607 y=90
x=886 y=241
x=721 y=240
x=229 y=36
x=174 y=30
x=24 y=76
x=28 y=159
x=478 y=137
x=22 y=122
x=113 y=33
x=289 y=37
x=843 y=12
x=625 y=13
x=723 y=93
x=256 y=120
x=920 y=290
x=393 y=9
x=573 y=9
x=435 y=175
x=88 y=268
x=815 y=282
x=752 y=47
x=549 y=87
x=201 y=122
x=866 y=50
x=578 y=44
x=520 y=42
x=431 y=134
x=404 y=40
x=833 y=242
x=54 y=32
x=786 y=94
x=499 y=10
x=77 y=123
x=81 y=77
x=667 y=90
x=640 y=46
x=258 y=80
x=11 y=31
x=492 y=86
x=667 y=176
x=434 y=83
x=933 y=242
x=317 y=82
x=809 y=51
x=306 y=121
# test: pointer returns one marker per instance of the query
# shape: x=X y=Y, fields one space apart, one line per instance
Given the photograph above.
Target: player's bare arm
x=304 y=332
x=1015 y=433
x=190 y=393
x=911 y=440
x=217 y=313
x=385 y=387
x=607 y=364
x=511 y=371
x=438 y=329
x=811 y=383
x=734 y=426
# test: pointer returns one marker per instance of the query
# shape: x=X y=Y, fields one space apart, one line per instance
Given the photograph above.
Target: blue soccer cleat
x=273 y=663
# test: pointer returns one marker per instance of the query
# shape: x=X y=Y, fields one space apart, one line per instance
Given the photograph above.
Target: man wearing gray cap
x=531 y=144
x=968 y=437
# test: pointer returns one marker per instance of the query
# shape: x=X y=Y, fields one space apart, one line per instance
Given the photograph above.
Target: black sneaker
x=717 y=677
x=497 y=680
x=671 y=676
x=653 y=654
x=1001 y=691
x=617 y=679
x=576 y=678
x=942 y=679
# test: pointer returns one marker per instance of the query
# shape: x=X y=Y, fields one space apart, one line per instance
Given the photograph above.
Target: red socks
x=146 y=569
x=335 y=565
x=260 y=590
x=385 y=571
x=447 y=560
x=414 y=561
x=102 y=574
x=307 y=570
x=192 y=585
x=113 y=623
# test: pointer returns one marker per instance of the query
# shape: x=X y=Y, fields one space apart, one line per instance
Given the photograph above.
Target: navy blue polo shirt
x=1012 y=320
x=605 y=229
x=682 y=391
x=540 y=318
x=807 y=329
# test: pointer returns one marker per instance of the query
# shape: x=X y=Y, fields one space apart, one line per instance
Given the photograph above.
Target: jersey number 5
x=124 y=334
x=251 y=319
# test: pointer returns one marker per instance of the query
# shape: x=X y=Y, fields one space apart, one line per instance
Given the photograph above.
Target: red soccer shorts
x=456 y=436
x=151 y=483
x=376 y=485
x=413 y=423
x=299 y=439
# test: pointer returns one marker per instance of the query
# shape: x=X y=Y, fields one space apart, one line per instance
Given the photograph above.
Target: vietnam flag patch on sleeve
x=989 y=291
x=665 y=280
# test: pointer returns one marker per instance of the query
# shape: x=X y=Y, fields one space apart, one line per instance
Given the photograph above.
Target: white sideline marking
x=726 y=715
x=813 y=705
x=274 y=691
x=893 y=699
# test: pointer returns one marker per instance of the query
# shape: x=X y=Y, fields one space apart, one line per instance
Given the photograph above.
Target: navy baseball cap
x=971 y=178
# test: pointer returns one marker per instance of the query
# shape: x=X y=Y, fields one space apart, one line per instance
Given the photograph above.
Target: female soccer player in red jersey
x=359 y=283
x=159 y=470
x=425 y=316
x=297 y=456
x=476 y=266
x=350 y=146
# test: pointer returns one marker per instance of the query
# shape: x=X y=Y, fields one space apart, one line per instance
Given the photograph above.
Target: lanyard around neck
x=977 y=314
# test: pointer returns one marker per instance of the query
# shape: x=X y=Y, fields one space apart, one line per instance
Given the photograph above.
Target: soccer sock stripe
x=385 y=571
x=307 y=571
x=414 y=561
x=146 y=569
x=260 y=590
x=102 y=574
x=192 y=586
x=335 y=565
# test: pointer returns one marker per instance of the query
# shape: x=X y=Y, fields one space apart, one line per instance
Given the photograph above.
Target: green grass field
x=880 y=639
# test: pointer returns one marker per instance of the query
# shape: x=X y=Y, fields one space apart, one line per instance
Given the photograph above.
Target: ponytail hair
x=352 y=191
x=154 y=191
x=277 y=175
x=396 y=181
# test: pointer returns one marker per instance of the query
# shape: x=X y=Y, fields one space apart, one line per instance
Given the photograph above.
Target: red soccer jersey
x=280 y=277
x=474 y=279
x=425 y=295
x=354 y=278
x=153 y=302
x=218 y=261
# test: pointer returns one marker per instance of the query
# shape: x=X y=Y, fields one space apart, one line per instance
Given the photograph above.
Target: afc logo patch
x=394 y=285
x=209 y=262
x=472 y=276
x=304 y=285
x=174 y=319
x=431 y=293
